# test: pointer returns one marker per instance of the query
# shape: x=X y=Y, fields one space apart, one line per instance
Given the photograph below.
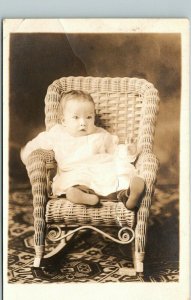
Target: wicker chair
x=126 y=107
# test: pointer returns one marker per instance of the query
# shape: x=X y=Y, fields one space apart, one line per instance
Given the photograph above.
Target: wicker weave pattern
x=147 y=166
x=36 y=167
x=108 y=213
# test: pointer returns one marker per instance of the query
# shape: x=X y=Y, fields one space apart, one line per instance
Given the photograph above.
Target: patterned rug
x=91 y=257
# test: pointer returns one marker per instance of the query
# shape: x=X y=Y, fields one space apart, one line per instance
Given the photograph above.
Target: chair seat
x=108 y=212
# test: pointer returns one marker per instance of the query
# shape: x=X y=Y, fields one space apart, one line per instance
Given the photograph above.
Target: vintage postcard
x=96 y=158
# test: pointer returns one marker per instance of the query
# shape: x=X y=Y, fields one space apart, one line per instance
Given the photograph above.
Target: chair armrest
x=38 y=162
x=147 y=166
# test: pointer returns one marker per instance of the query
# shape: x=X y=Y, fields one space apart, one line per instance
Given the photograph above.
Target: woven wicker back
x=126 y=106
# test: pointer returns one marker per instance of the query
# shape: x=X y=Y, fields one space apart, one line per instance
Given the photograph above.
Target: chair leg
x=39 y=250
x=63 y=243
x=138 y=261
x=133 y=253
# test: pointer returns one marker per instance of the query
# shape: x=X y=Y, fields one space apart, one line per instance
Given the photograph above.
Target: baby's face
x=79 y=117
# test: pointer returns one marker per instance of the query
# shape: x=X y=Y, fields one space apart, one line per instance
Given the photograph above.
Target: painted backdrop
x=38 y=59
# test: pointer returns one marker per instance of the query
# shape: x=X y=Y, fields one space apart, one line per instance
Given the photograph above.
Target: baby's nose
x=82 y=122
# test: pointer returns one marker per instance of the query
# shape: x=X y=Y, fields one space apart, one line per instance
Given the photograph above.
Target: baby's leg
x=131 y=196
x=75 y=195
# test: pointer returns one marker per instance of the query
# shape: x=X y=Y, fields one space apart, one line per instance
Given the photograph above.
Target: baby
x=91 y=163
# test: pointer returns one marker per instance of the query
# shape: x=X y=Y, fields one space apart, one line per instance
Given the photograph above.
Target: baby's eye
x=89 y=117
x=75 y=117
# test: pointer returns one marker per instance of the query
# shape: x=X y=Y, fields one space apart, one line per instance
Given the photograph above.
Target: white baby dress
x=94 y=160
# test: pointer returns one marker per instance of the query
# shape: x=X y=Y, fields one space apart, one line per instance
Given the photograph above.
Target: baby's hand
x=131 y=147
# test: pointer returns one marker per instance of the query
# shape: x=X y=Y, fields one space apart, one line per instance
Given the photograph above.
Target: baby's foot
x=77 y=196
x=131 y=196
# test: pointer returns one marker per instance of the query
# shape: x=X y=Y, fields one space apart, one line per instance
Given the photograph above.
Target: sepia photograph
x=96 y=149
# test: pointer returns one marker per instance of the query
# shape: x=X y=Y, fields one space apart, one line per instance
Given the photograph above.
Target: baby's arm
x=44 y=140
x=110 y=143
x=127 y=150
x=132 y=150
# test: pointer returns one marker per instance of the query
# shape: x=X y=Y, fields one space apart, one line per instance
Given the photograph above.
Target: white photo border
x=146 y=291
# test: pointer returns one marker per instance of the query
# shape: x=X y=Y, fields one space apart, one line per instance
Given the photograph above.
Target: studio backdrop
x=37 y=59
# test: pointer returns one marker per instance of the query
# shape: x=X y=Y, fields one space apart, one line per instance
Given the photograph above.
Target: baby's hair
x=73 y=95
